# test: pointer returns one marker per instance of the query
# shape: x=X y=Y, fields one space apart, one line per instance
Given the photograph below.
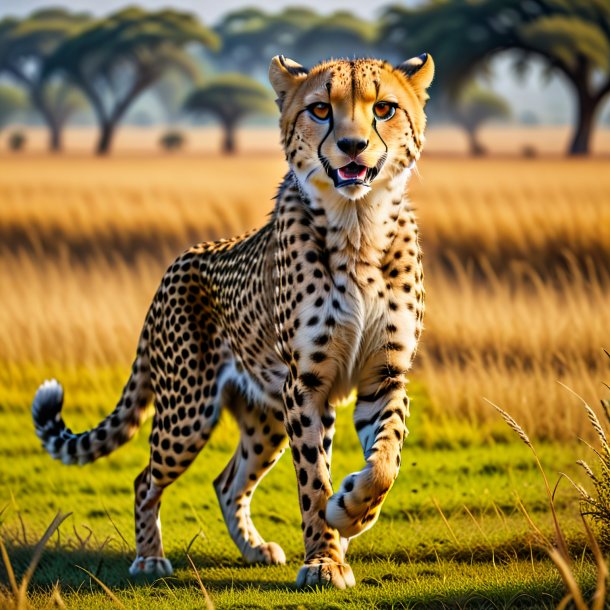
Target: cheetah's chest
x=359 y=335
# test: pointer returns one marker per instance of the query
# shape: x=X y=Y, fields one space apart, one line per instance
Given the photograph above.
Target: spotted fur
x=281 y=324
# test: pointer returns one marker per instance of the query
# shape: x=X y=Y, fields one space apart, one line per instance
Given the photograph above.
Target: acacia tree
x=25 y=45
x=572 y=38
x=475 y=106
x=576 y=43
x=118 y=58
x=341 y=34
x=230 y=98
x=251 y=36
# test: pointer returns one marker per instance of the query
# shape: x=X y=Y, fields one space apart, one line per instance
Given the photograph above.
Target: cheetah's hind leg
x=262 y=441
x=173 y=449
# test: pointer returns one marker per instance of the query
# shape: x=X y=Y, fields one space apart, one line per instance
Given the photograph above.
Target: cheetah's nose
x=352 y=146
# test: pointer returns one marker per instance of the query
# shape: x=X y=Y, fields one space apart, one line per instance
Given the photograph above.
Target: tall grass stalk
x=597 y=504
x=115 y=600
x=19 y=600
x=558 y=551
x=208 y=601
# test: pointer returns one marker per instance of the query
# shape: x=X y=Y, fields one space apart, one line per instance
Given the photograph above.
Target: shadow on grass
x=517 y=547
x=437 y=577
x=246 y=590
x=111 y=565
x=112 y=568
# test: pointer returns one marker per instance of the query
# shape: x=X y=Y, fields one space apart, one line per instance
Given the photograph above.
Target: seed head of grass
x=512 y=424
x=597 y=504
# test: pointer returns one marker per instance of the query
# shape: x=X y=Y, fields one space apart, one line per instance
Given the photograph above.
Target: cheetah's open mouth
x=353 y=174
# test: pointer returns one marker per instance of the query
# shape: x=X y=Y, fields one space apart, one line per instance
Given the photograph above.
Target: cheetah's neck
x=359 y=232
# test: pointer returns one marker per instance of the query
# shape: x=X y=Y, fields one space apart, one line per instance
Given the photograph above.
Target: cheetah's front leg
x=380 y=422
x=310 y=426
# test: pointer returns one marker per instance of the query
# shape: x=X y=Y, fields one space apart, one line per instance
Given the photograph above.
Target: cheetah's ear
x=284 y=74
x=420 y=72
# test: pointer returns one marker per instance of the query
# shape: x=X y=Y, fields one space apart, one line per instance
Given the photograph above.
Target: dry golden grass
x=517 y=259
x=513 y=212
x=511 y=340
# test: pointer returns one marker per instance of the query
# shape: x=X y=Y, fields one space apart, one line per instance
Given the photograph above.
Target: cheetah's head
x=351 y=125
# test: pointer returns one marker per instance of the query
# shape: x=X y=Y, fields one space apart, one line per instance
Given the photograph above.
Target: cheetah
x=282 y=324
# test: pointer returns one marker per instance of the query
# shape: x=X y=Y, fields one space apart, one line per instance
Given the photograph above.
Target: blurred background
x=81 y=77
x=128 y=133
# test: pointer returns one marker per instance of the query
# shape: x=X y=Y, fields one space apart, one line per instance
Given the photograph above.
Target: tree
x=117 y=58
x=24 y=48
x=11 y=101
x=64 y=101
x=250 y=37
x=573 y=38
x=341 y=34
x=475 y=106
x=578 y=45
x=231 y=98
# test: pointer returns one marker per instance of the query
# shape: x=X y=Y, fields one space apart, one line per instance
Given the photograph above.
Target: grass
x=557 y=548
x=511 y=337
x=517 y=271
x=483 y=554
x=518 y=280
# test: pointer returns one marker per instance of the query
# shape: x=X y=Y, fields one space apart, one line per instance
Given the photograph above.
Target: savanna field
x=517 y=261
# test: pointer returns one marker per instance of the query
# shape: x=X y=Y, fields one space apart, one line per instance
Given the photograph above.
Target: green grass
x=483 y=557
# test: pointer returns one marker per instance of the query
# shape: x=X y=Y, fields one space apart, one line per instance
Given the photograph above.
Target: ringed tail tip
x=46 y=409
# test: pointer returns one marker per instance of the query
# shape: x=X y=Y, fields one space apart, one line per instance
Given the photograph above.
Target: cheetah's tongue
x=352 y=171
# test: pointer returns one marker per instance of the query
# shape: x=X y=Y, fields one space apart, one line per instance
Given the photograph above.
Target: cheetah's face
x=351 y=125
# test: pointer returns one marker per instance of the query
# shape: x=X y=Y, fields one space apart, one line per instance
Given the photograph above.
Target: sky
x=208 y=10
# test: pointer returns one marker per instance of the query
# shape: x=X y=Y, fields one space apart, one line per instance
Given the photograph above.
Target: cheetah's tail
x=112 y=432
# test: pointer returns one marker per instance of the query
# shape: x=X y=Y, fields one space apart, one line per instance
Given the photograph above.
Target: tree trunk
x=585 y=121
x=228 y=146
x=476 y=148
x=105 y=139
x=108 y=125
x=55 y=142
x=55 y=128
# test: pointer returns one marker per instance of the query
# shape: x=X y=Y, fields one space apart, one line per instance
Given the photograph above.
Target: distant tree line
x=572 y=37
x=64 y=62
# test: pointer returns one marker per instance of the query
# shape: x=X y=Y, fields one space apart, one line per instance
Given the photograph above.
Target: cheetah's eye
x=320 y=111
x=384 y=110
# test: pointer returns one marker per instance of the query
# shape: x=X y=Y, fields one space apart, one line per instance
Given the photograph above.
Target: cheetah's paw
x=353 y=509
x=268 y=553
x=326 y=574
x=151 y=566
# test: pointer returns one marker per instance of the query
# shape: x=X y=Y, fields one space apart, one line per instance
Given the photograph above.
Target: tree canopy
x=341 y=34
x=231 y=98
x=25 y=46
x=251 y=37
x=573 y=38
x=117 y=58
x=475 y=106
